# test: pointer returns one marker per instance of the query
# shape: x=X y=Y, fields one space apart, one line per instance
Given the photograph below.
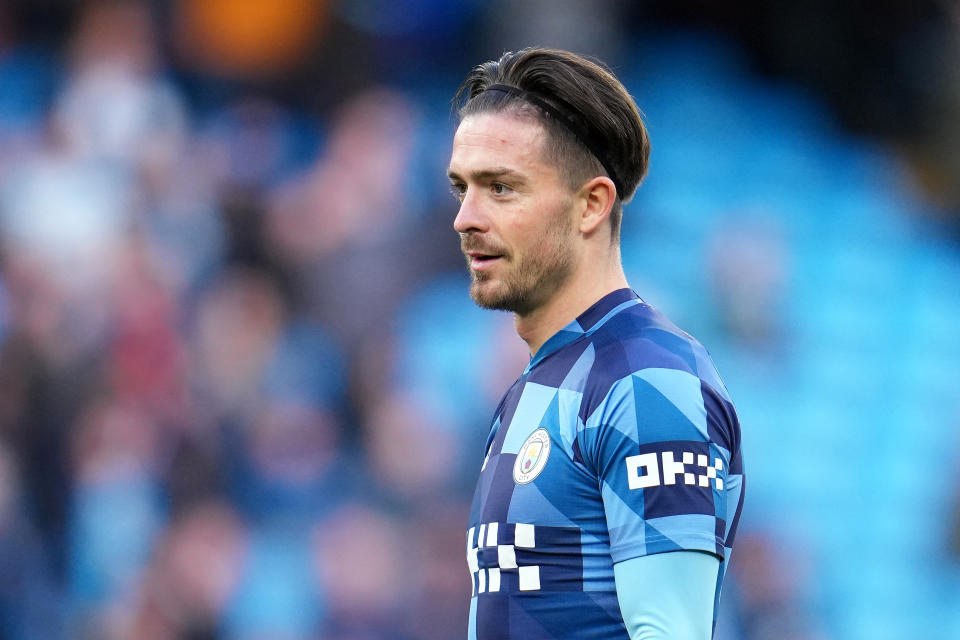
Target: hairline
x=554 y=132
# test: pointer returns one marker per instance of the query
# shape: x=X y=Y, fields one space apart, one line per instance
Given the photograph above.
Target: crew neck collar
x=586 y=323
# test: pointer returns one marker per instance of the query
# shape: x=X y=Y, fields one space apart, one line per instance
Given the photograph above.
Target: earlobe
x=599 y=195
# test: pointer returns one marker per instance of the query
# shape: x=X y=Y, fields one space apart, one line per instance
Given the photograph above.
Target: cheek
x=536 y=226
x=558 y=225
x=515 y=230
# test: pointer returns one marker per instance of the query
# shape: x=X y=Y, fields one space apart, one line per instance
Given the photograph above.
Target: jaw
x=495 y=292
x=489 y=292
x=521 y=288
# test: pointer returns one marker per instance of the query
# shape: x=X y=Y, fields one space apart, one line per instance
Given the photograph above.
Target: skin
x=533 y=245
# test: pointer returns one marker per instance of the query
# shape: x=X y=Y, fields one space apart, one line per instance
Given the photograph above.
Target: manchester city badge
x=532 y=457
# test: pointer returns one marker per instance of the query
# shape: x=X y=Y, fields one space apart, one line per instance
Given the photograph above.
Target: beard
x=524 y=284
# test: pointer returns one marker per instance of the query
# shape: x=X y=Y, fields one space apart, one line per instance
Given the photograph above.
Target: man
x=612 y=483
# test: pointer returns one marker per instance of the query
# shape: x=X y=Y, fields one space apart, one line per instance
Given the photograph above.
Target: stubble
x=522 y=285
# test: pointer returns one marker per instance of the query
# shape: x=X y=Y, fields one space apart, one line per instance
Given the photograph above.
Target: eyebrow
x=482 y=175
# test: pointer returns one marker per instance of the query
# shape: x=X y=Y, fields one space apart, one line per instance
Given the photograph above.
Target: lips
x=482 y=257
x=480 y=260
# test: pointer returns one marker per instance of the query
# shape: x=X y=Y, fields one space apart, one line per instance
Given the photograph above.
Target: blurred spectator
x=410 y=450
x=147 y=358
x=344 y=229
x=277 y=595
x=65 y=216
x=286 y=463
x=115 y=106
x=239 y=320
x=117 y=512
x=253 y=143
x=359 y=557
x=440 y=606
x=193 y=575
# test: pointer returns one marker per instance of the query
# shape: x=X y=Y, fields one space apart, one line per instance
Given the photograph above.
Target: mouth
x=479 y=260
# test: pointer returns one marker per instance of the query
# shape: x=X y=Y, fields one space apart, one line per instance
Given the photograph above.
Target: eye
x=458 y=190
x=499 y=188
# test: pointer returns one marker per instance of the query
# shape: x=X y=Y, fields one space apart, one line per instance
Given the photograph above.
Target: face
x=516 y=220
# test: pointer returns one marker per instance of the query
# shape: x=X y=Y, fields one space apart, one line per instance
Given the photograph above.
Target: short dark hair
x=583 y=90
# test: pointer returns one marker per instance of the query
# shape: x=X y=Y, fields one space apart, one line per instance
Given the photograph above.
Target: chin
x=489 y=295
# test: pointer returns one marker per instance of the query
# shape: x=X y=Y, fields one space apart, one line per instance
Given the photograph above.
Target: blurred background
x=243 y=390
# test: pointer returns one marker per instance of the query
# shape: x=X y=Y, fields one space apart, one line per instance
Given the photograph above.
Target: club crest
x=532 y=457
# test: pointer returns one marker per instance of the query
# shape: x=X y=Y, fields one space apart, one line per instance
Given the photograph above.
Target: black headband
x=563 y=113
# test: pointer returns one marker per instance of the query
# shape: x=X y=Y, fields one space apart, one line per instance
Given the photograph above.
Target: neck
x=585 y=286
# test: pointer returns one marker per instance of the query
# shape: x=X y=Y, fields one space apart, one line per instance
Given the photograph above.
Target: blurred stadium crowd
x=243 y=390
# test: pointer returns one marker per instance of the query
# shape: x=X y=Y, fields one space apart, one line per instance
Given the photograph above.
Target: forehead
x=504 y=140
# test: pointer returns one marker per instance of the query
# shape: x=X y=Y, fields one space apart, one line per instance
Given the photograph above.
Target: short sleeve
x=661 y=454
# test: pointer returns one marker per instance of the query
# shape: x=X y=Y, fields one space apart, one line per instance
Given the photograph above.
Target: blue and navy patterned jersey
x=619 y=440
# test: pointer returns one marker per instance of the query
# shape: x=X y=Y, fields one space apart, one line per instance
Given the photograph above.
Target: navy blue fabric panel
x=722 y=424
x=679 y=347
x=721 y=529
x=605 y=305
x=557 y=365
x=610 y=364
x=493 y=619
x=497 y=502
x=508 y=406
x=633 y=347
x=577 y=454
x=736 y=517
x=577 y=616
x=482 y=491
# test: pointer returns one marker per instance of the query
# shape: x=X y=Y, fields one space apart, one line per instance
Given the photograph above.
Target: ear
x=598 y=195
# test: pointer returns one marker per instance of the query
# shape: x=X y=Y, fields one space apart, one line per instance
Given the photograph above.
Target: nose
x=470 y=217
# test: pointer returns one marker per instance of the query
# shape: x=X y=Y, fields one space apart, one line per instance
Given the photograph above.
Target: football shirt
x=618 y=440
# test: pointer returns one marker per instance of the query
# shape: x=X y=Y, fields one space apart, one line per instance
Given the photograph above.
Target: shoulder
x=641 y=338
x=640 y=348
